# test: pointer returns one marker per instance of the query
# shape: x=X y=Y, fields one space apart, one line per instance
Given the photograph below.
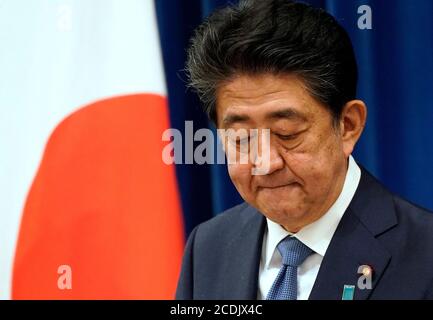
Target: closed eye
x=243 y=140
x=287 y=137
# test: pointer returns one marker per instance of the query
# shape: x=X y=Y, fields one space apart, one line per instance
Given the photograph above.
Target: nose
x=267 y=158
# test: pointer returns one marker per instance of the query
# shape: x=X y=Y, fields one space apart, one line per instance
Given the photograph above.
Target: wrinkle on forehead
x=247 y=96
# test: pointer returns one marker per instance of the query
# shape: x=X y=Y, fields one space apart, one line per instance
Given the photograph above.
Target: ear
x=352 y=123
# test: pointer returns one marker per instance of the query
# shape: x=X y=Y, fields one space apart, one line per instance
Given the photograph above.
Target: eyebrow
x=234 y=118
x=288 y=113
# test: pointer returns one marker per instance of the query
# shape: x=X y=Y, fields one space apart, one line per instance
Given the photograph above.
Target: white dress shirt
x=316 y=236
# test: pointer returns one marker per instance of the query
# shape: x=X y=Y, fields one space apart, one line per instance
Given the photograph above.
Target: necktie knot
x=293 y=251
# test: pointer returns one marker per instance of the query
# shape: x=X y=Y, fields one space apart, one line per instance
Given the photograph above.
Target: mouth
x=275 y=187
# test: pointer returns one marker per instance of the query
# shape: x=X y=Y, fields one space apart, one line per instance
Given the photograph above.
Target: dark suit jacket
x=379 y=229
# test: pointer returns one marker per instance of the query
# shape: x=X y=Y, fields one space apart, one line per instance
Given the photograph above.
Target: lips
x=276 y=186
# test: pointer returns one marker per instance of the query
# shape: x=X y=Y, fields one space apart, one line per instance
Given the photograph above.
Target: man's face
x=307 y=164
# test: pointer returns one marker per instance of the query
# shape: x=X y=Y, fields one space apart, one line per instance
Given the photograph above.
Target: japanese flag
x=88 y=209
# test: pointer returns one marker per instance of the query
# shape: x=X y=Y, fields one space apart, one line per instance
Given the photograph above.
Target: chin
x=292 y=214
x=284 y=213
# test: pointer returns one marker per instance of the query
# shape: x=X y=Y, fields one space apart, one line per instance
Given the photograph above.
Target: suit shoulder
x=415 y=225
x=225 y=225
x=411 y=213
x=230 y=217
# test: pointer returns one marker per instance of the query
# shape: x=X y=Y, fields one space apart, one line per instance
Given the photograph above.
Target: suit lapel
x=355 y=243
x=352 y=246
x=242 y=266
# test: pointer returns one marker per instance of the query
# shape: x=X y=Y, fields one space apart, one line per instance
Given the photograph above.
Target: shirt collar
x=318 y=234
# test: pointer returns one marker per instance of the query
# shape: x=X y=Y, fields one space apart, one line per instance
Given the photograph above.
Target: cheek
x=240 y=174
x=305 y=166
x=314 y=166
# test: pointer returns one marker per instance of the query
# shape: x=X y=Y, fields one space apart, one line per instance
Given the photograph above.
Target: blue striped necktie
x=285 y=286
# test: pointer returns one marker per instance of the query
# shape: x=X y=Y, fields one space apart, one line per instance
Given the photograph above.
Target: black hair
x=273 y=36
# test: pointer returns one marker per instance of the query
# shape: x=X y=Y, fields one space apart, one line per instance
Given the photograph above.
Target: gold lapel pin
x=366 y=270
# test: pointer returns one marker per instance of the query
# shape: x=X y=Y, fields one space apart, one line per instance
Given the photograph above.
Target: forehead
x=259 y=98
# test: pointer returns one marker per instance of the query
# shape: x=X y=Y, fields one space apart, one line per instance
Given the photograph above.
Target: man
x=316 y=225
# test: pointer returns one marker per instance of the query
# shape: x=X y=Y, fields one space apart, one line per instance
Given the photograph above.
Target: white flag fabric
x=59 y=58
